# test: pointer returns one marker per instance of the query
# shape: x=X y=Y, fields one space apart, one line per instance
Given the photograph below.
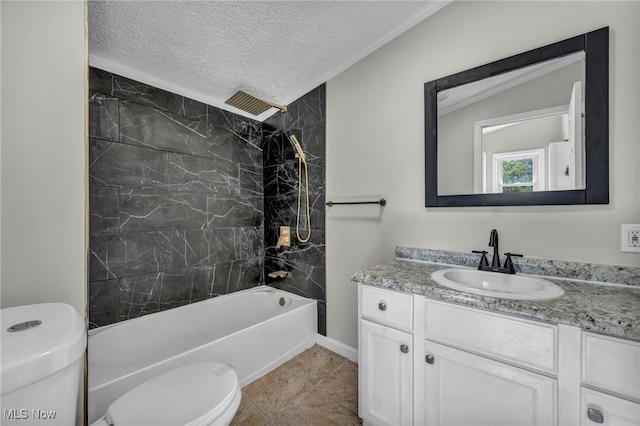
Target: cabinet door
x=385 y=371
x=467 y=389
x=598 y=408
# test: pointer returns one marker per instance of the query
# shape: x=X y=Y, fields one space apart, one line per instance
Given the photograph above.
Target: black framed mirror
x=530 y=129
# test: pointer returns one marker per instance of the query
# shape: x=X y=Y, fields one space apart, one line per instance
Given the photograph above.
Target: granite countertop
x=613 y=310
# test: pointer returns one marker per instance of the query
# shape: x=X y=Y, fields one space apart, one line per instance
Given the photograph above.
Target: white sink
x=505 y=286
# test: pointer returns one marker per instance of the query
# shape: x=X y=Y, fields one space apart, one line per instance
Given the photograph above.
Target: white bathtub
x=249 y=330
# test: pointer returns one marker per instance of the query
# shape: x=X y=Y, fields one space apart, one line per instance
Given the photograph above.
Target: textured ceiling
x=275 y=50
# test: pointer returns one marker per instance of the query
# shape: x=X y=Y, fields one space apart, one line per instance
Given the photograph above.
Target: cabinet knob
x=404 y=349
x=429 y=359
x=595 y=415
x=382 y=306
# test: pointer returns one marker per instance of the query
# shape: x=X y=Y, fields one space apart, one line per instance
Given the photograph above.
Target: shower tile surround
x=304 y=262
x=588 y=303
x=177 y=201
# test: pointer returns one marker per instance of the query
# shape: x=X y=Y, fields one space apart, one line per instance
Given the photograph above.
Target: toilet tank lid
x=192 y=394
x=35 y=350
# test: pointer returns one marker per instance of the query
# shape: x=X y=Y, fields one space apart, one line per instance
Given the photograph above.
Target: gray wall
x=43 y=153
x=176 y=200
x=375 y=145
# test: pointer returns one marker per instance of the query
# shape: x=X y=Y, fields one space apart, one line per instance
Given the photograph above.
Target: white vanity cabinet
x=427 y=362
x=385 y=358
x=485 y=369
x=466 y=389
x=610 y=392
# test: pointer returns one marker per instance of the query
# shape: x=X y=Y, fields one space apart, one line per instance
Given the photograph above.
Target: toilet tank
x=41 y=363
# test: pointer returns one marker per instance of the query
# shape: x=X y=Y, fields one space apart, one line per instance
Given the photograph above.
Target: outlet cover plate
x=630 y=238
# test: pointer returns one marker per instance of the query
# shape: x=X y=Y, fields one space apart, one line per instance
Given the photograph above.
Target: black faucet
x=508 y=267
x=493 y=242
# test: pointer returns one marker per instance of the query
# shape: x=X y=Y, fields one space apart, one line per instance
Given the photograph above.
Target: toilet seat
x=194 y=394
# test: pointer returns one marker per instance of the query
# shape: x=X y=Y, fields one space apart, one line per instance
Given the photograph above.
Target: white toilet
x=205 y=393
x=41 y=348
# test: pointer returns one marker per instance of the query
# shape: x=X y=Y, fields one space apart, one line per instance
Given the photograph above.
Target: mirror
x=531 y=129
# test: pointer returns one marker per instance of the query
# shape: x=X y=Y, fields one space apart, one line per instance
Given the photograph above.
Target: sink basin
x=505 y=286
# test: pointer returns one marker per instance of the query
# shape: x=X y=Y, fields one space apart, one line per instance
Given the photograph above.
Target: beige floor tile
x=317 y=387
x=342 y=386
x=273 y=392
x=315 y=364
x=314 y=408
x=250 y=415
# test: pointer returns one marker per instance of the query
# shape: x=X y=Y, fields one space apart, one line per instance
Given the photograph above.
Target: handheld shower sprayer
x=302 y=160
x=298 y=148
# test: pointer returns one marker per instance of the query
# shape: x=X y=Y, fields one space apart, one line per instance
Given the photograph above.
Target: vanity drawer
x=523 y=342
x=611 y=364
x=387 y=306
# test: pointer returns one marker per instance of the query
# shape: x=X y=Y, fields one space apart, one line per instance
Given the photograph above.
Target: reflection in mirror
x=531 y=129
x=515 y=130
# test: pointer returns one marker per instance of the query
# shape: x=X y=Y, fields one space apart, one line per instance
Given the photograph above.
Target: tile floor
x=317 y=387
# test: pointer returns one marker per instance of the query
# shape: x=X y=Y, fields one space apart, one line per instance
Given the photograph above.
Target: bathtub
x=253 y=330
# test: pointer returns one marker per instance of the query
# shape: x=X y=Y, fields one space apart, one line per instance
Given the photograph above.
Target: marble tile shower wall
x=305 y=262
x=176 y=200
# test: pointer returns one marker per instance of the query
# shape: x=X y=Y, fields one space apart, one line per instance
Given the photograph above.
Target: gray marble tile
x=116 y=164
x=244 y=128
x=226 y=211
x=104 y=303
x=281 y=180
x=176 y=289
x=202 y=283
x=103 y=210
x=219 y=145
x=119 y=255
x=245 y=153
x=251 y=183
x=200 y=248
x=151 y=210
x=103 y=117
x=188 y=108
x=244 y=274
x=125 y=88
x=237 y=275
x=221 y=274
x=153 y=128
x=249 y=242
x=140 y=295
x=188 y=173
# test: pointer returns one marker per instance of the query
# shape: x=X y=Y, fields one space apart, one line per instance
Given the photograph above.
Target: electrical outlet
x=630 y=238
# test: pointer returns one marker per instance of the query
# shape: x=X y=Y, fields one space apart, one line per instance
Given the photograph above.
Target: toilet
x=41 y=347
x=204 y=393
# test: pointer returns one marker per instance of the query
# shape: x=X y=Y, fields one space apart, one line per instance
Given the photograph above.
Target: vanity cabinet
x=385 y=358
x=610 y=381
x=467 y=389
x=483 y=368
x=427 y=362
x=385 y=375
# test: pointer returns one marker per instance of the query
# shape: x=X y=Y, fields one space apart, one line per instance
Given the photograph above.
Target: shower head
x=251 y=104
x=299 y=152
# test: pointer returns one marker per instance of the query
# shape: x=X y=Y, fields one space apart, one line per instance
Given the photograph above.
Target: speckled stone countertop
x=613 y=310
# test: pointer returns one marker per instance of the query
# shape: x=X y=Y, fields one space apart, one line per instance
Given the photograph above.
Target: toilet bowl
x=205 y=393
